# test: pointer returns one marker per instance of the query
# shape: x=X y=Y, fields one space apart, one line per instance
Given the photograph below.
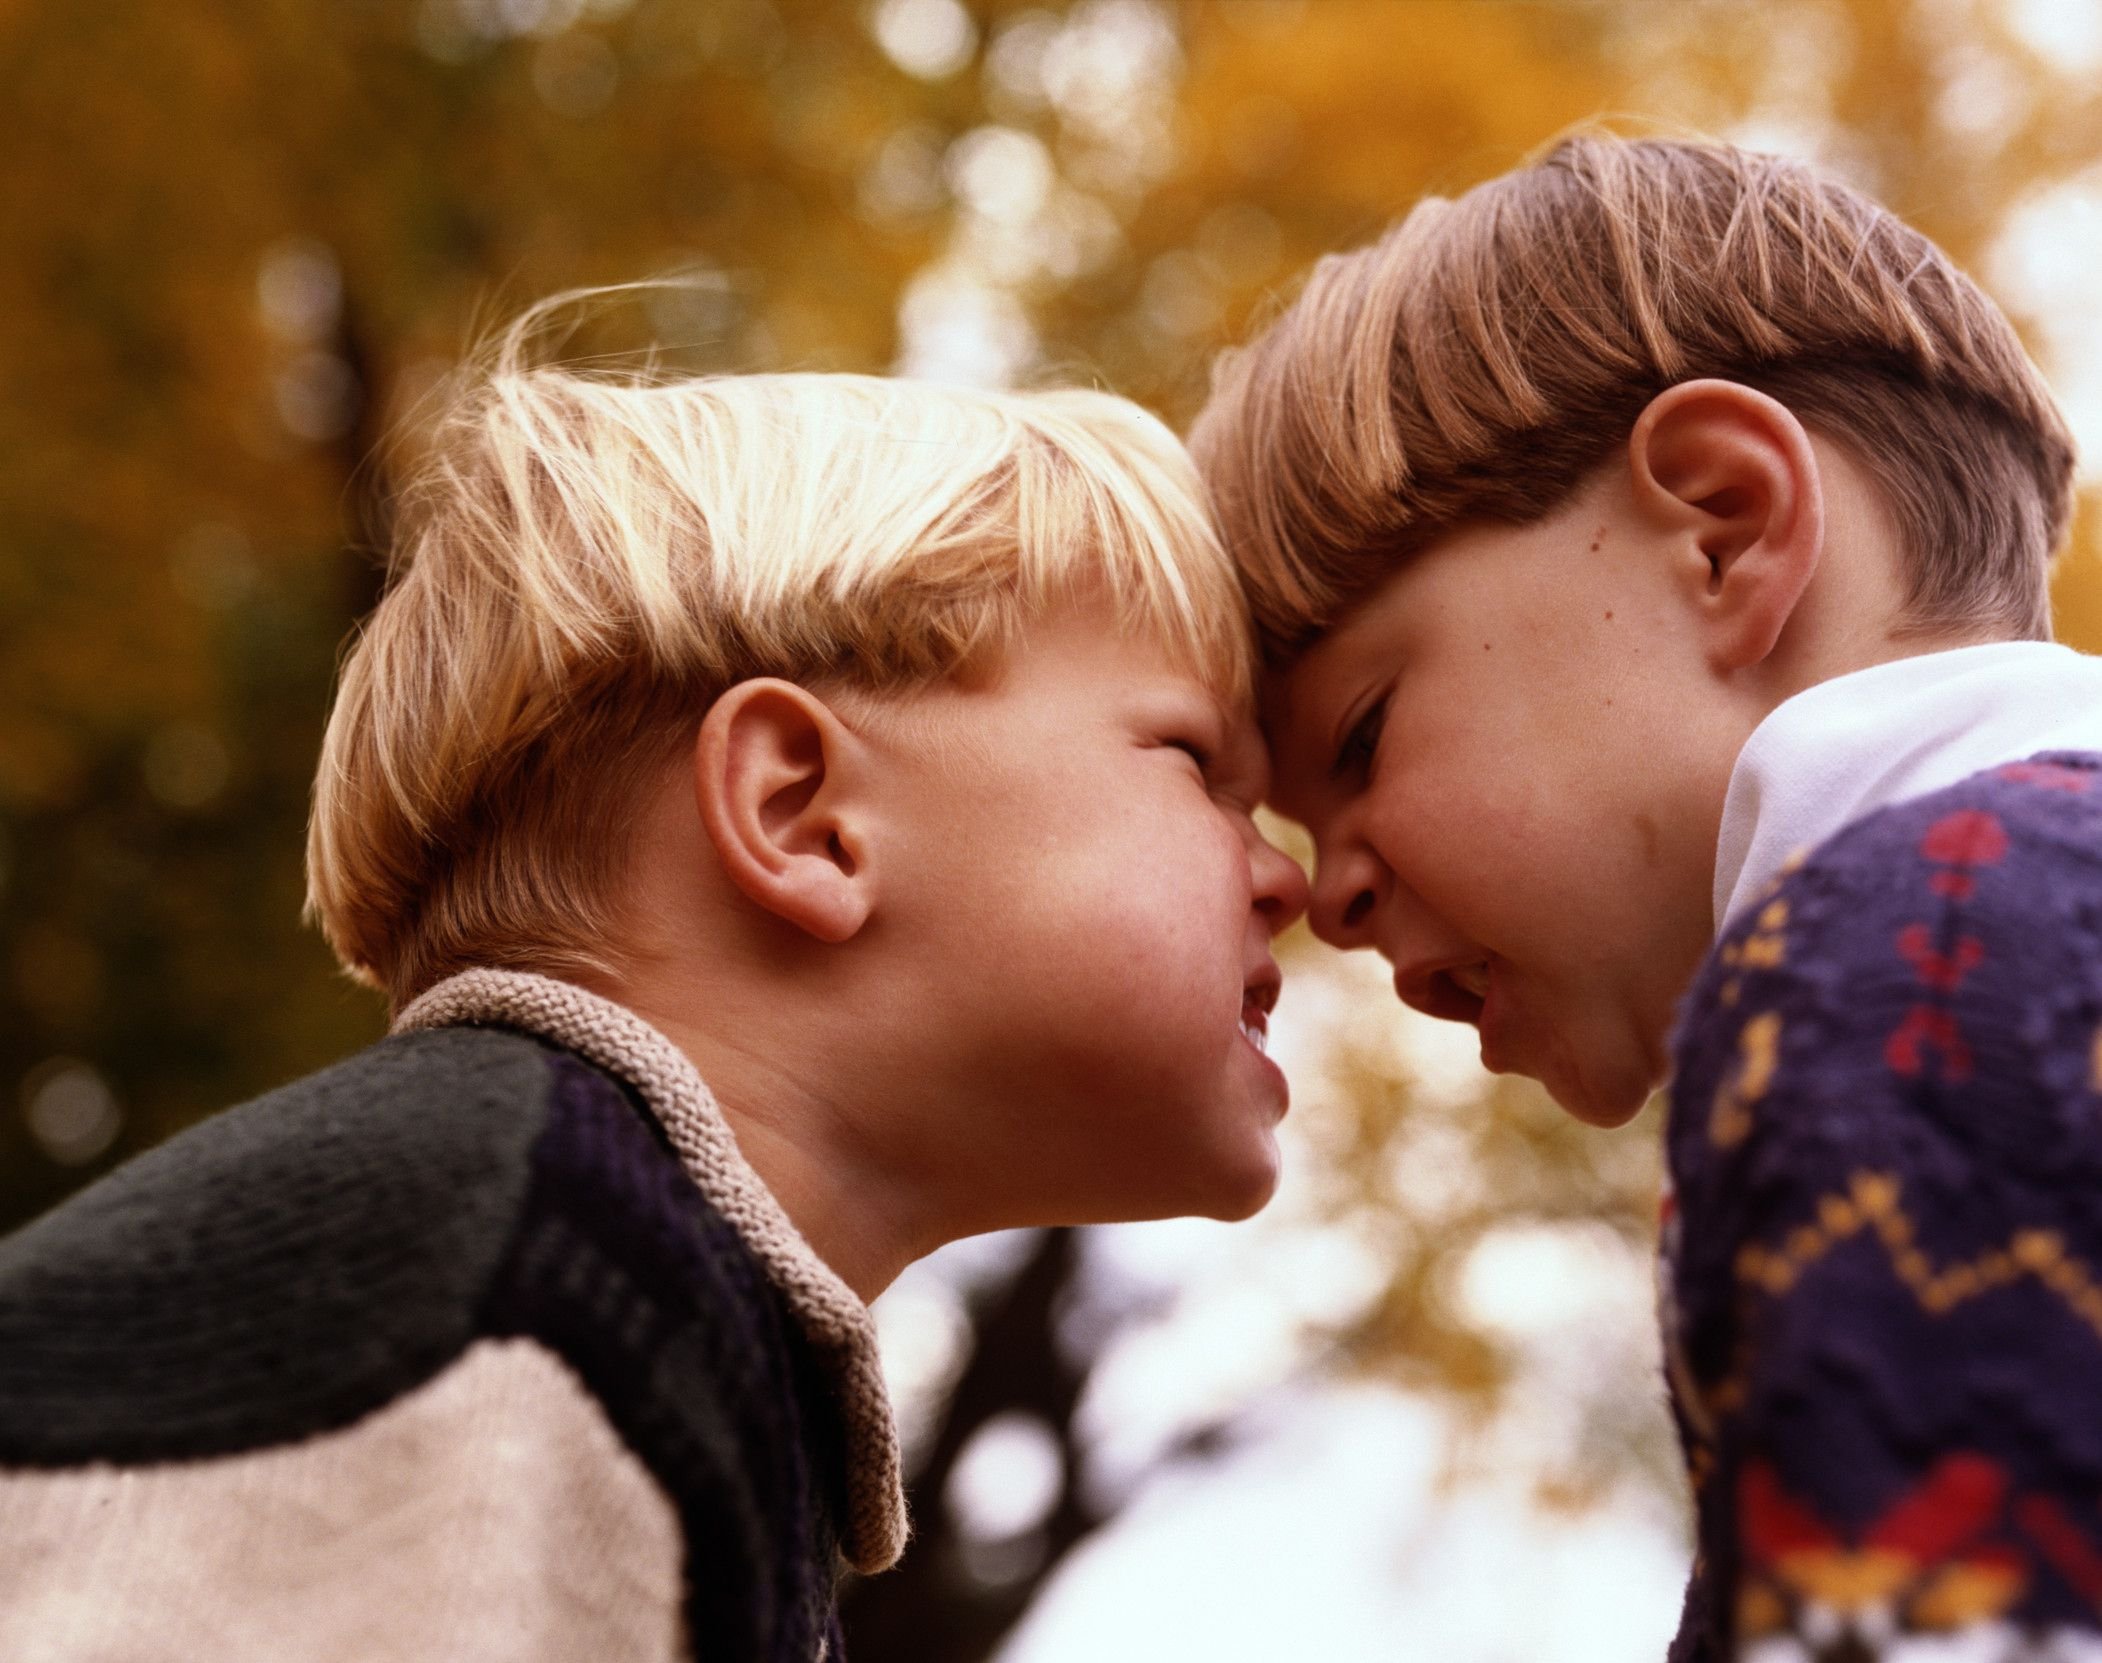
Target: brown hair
x=588 y=561
x=1482 y=358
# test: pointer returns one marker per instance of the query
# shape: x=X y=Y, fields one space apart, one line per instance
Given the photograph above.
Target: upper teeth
x=1473 y=977
x=1256 y=1035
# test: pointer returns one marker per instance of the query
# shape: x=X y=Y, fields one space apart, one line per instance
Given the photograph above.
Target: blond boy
x=795 y=821
x=1651 y=551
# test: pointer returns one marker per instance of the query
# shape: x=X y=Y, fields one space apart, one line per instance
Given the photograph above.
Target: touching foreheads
x=1489 y=352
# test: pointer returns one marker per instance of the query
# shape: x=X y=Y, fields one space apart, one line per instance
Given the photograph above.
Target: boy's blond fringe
x=588 y=559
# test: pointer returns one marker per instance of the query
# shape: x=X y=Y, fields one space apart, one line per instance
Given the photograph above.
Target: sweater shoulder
x=278 y=1270
x=1998 y=842
x=1931 y=974
x=2012 y=854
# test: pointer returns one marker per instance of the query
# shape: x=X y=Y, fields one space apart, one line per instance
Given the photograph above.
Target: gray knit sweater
x=484 y=1344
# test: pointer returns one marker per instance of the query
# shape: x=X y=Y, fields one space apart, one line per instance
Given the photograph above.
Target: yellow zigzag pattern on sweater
x=1873 y=1201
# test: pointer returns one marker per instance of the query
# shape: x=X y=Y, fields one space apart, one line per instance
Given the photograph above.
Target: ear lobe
x=1733 y=473
x=772 y=770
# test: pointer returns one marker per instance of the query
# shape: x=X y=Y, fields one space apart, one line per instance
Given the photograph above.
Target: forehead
x=1084 y=661
x=1466 y=578
x=1308 y=706
x=1364 y=641
x=1087 y=651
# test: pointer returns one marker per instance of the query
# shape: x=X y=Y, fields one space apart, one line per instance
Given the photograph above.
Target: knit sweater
x=483 y=1344
x=1884 y=1266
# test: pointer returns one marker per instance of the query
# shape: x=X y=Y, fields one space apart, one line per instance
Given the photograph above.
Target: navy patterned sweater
x=1883 y=1267
x=448 y=1351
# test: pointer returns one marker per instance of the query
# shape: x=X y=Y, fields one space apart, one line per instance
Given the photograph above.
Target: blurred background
x=1412 y=1412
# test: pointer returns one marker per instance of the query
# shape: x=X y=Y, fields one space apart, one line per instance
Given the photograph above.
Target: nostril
x=1359 y=909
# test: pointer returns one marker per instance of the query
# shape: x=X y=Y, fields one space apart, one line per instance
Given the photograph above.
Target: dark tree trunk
x=940 y=1605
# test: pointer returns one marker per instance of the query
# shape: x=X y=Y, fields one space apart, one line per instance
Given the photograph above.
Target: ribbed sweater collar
x=837 y=1323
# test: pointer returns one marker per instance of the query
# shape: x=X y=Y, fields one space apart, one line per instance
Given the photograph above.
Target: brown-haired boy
x=1650 y=548
x=796 y=821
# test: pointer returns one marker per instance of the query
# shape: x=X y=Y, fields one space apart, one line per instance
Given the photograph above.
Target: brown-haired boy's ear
x=1731 y=474
x=774 y=782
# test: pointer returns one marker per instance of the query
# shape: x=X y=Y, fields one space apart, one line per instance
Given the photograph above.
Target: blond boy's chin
x=1246 y=1165
x=1223 y=1164
x=1242 y=1183
x=1250 y=1195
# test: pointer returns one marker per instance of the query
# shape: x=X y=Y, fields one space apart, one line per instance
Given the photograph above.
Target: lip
x=1429 y=986
x=1260 y=986
x=1494 y=1025
x=1258 y=999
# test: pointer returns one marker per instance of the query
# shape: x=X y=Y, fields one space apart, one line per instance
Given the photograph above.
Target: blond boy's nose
x=1280 y=886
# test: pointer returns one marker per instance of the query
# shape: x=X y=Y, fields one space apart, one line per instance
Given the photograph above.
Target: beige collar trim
x=836 y=1321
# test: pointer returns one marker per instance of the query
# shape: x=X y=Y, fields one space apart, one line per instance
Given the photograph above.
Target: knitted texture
x=488 y=1516
x=621 y=1267
x=279 y=1270
x=1884 y=1265
x=835 y=1321
x=440 y=1352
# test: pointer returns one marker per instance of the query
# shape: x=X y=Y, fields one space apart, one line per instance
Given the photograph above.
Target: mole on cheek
x=1652 y=847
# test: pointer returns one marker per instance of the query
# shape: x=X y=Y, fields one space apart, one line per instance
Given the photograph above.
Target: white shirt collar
x=1878 y=736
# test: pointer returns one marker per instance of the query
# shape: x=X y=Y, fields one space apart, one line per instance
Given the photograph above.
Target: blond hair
x=1487 y=354
x=588 y=560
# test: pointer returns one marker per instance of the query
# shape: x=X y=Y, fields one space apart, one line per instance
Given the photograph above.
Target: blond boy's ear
x=1731 y=476
x=774 y=780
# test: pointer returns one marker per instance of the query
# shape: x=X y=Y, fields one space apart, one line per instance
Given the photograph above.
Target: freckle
x=1598 y=539
x=1485 y=646
x=1651 y=847
x=1609 y=614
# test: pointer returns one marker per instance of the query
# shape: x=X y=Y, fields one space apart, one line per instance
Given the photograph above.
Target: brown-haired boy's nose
x=1344 y=898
